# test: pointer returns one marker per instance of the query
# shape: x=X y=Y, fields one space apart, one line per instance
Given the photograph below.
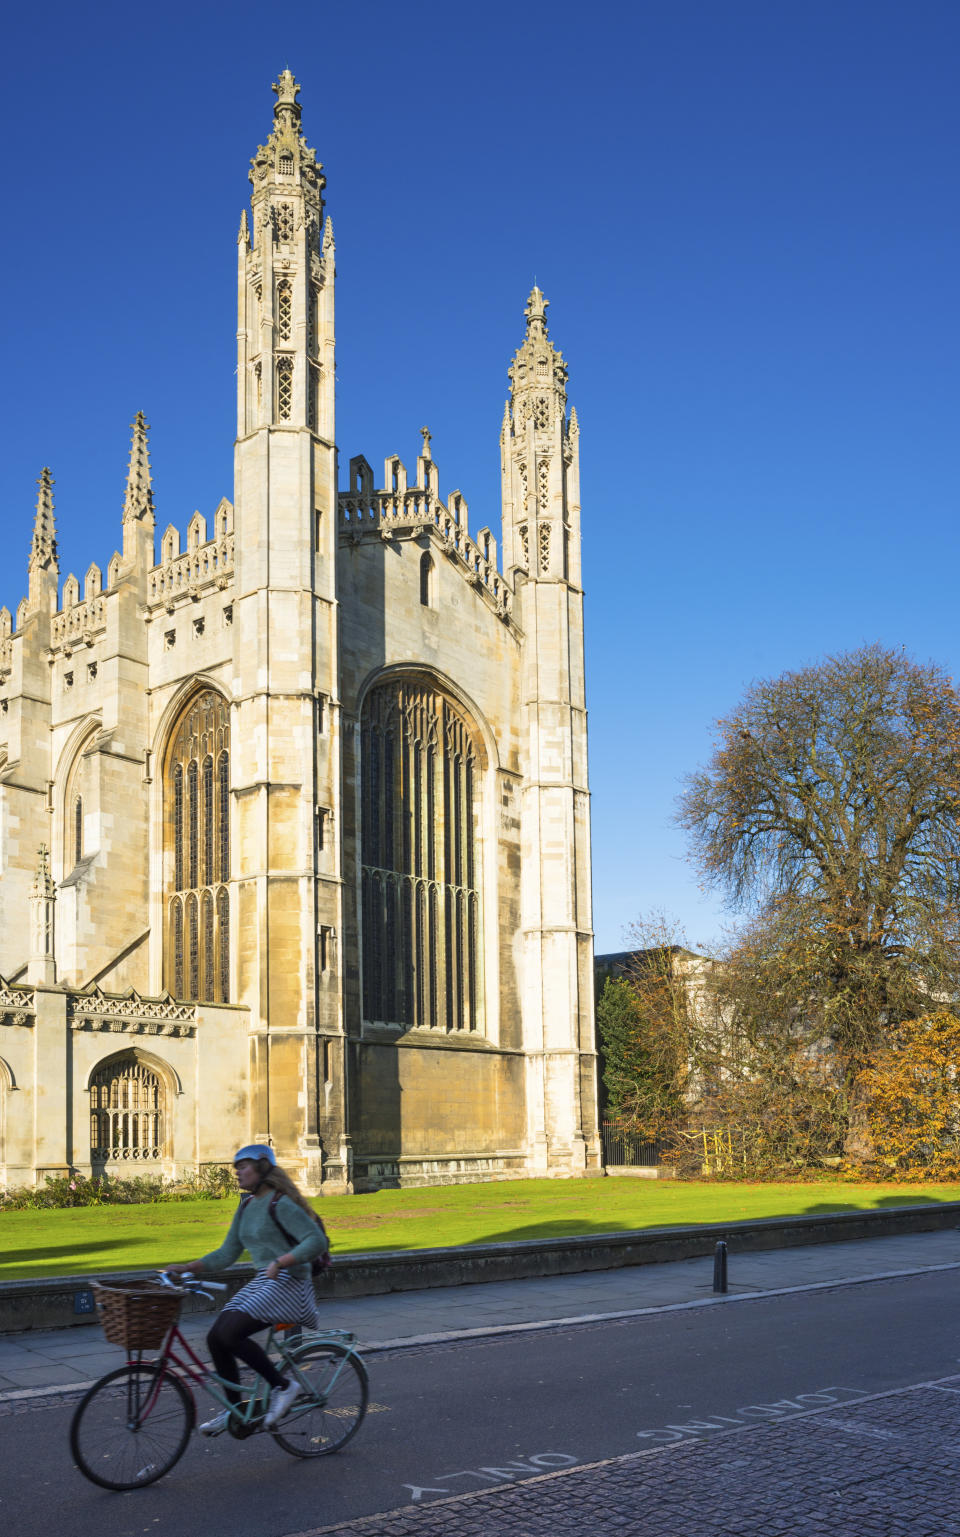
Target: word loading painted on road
x=781 y=1408
x=500 y=1473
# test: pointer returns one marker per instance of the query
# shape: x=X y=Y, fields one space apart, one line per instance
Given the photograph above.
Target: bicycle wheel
x=332 y=1402
x=129 y=1428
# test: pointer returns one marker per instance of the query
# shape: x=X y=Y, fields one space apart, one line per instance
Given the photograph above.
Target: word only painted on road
x=801 y=1403
x=502 y=1473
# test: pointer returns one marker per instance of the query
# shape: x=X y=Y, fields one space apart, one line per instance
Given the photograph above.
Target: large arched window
x=420 y=877
x=127 y=1112
x=197 y=823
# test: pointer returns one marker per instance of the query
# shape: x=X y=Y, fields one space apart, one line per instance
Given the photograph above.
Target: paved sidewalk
x=885 y=1466
x=40 y=1359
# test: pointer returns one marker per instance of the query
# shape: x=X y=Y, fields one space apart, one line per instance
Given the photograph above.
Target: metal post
x=720 y=1267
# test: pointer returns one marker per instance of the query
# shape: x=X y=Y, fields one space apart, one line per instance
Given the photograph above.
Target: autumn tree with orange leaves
x=829 y=815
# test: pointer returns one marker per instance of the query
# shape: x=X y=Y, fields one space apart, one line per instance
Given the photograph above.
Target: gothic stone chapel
x=294 y=823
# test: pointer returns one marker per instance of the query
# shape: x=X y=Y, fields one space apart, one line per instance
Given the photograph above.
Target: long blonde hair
x=279 y=1179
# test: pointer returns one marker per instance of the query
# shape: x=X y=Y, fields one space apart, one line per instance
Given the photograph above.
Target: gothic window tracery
x=127 y=1112
x=197 y=822
x=524 y=534
x=284 y=388
x=543 y=484
x=284 y=309
x=284 y=223
x=542 y=411
x=544 y=549
x=420 y=876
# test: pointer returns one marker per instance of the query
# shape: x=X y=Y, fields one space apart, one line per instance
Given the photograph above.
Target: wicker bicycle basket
x=136 y=1314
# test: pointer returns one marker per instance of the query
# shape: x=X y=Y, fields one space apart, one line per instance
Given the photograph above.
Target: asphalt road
x=469 y=1415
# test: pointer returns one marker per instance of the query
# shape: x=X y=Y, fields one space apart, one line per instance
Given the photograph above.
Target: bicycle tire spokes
x=333 y=1402
x=131 y=1427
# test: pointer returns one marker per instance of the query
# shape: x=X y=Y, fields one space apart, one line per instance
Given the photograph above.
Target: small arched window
x=80 y=805
x=427 y=575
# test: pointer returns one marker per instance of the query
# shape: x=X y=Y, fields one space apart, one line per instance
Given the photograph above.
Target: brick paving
x=879 y=1467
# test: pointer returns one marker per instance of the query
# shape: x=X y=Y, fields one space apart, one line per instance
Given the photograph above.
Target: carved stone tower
x=285 y=721
x=541 y=534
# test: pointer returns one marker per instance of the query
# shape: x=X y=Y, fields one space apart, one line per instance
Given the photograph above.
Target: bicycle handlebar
x=189 y=1282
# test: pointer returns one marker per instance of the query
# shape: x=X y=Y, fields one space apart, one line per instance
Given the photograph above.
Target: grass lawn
x=94 y=1239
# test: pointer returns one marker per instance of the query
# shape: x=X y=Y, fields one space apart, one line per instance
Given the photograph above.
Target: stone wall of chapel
x=447 y=1102
x=105 y=734
x=453 y=1101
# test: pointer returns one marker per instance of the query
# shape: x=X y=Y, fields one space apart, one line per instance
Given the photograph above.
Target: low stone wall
x=63 y=1300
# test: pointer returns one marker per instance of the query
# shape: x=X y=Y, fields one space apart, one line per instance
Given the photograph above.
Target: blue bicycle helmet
x=256 y=1152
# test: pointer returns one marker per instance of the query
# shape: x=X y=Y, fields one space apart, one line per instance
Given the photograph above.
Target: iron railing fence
x=628 y=1149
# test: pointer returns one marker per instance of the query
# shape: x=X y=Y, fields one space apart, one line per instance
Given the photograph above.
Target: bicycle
x=133 y=1425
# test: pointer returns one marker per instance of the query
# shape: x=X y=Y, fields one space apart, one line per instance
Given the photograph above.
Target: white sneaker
x=216 y=1425
x=280 y=1401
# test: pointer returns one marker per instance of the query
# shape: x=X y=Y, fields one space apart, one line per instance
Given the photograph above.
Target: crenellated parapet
x=400 y=510
x=204 y=565
x=79 y=624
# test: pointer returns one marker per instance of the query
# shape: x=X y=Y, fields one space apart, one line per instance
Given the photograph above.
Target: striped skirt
x=287 y=1300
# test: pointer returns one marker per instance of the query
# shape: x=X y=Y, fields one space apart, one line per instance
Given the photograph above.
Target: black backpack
x=323 y=1261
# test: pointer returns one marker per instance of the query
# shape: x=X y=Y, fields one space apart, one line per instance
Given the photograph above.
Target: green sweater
x=255 y=1230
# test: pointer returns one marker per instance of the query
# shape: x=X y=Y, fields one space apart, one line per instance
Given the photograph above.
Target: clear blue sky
x=745 y=215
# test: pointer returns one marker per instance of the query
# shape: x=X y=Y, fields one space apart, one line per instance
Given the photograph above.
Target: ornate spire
x=287 y=108
x=538 y=366
x=286 y=161
x=138 y=499
x=536 y=312
x=43 y=551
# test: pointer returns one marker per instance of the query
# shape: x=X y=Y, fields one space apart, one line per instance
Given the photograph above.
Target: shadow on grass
x=886 y=1202
x=13 y=1256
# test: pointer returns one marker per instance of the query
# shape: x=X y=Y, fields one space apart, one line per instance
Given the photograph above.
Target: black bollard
x=720 y=1267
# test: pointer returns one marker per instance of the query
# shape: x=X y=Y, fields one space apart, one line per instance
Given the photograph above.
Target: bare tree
x=829 y=814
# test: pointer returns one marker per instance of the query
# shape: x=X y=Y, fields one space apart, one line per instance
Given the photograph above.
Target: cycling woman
x=280 y=1292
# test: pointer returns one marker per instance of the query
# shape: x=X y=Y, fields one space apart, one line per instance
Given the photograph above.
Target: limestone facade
x=313 y=785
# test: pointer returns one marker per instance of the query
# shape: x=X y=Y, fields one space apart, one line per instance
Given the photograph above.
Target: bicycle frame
x=194 y=1373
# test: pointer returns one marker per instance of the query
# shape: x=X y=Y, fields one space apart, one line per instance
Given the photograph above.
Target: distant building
x=311 y=790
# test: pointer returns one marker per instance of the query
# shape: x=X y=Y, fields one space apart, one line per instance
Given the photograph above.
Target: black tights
x=230 y=1338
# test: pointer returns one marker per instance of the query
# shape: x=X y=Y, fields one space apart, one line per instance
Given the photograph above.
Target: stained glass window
x=420 y=897
x=198 y=863
x=208 y=822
